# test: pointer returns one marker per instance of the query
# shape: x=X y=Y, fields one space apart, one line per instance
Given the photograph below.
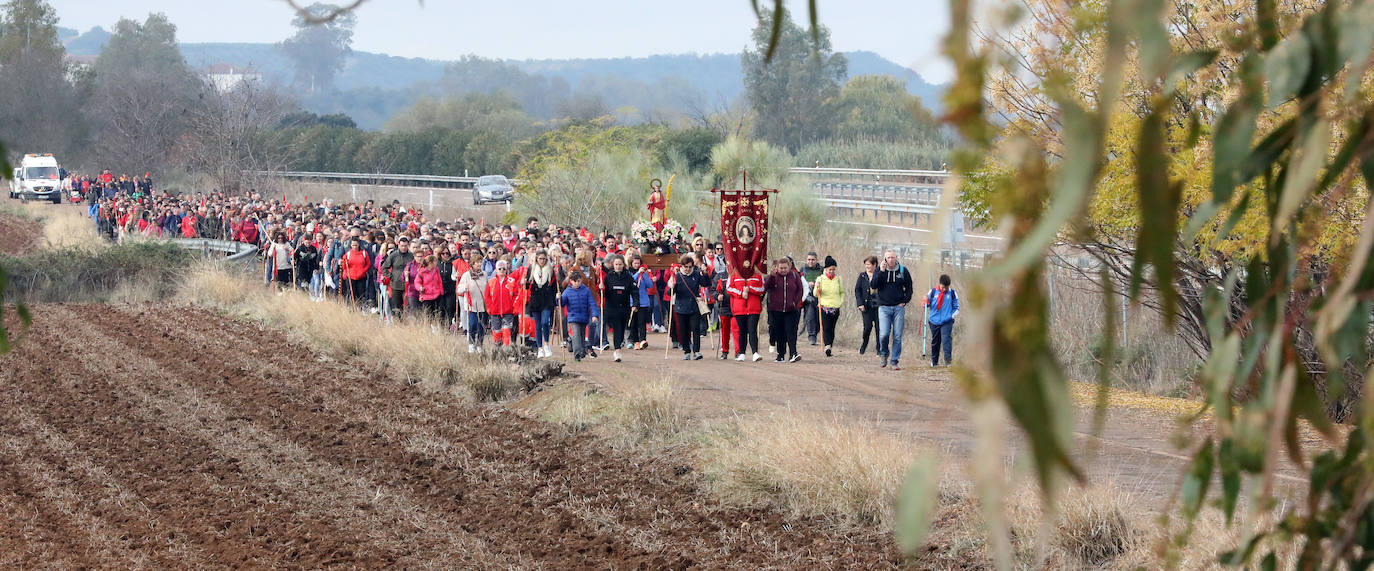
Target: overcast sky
x=905 y=31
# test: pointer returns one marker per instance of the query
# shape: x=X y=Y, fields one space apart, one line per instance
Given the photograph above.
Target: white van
x=39 y=178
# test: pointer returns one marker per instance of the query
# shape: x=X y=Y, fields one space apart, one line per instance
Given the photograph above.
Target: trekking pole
x=672 y=302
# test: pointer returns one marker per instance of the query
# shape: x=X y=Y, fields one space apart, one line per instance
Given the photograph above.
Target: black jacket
x=541 y=297
x=687 y=290
x=893 y=286
x=862 y=296
x=621 y=291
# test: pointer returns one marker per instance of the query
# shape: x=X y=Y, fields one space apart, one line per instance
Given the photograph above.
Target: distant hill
x=371 y=78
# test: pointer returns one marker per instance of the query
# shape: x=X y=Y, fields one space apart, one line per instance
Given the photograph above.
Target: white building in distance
x=225 y=77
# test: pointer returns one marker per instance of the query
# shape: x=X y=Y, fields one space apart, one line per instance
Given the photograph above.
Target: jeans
x=942 y=334
x=316 y=285
x=543 y=321
x=579 y=330
x=891 y=322
x=477 y=323
x=811 y=314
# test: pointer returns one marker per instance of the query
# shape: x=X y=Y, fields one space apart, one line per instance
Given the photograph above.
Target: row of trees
x=138 y=107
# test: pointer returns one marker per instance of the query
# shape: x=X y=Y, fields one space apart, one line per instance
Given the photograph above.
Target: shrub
x=136 y=271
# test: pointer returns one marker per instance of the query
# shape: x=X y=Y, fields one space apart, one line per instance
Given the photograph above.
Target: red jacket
x=188 y=226
x=500 y=295
x=739 y=303
x=355 y=264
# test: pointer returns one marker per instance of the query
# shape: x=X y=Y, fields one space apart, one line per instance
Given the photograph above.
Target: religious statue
x=658 y=202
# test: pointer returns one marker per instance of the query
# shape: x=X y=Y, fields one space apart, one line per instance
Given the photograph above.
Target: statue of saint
x=658 y=202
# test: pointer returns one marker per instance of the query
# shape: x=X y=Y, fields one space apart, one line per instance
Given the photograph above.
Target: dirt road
x=147 y=437
x=1134 y=453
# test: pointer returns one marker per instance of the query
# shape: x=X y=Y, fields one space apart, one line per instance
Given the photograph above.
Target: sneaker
x=778 y=360
x=578 y=359
x=740 y=357
x=757 y=356
x=794 y=359
x=770 y=349
x=471 y=348
x=722 y=356
x=697 y=356
x=813 y=341
x=686 y=356
x=617 y=356
x=883 y=363
x=863 y=350
x=895 y=367
x=827 y=352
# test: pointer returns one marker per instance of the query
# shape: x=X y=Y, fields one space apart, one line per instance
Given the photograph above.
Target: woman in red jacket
x=500 y=298
x=746 y=303
x=430 y=286
x=355 y=264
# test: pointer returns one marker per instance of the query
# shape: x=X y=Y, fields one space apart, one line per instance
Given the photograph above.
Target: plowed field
x=150 y=437
x=18 y=235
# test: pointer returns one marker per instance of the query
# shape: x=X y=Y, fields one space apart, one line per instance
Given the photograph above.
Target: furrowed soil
x=18 y=235
x=155 y=437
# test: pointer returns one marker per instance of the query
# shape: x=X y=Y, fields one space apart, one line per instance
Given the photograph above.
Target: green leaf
x=1159 y=204
x=1306 y=163
x=1230 y=478
x=1186 y=65
x=1240 y=555
x=1083 y=144
x=1357 y=43
x=1266 y=16
x=1287 y=66
x=916 y=503
x=1231 y=139
x=1197 y=478
x=1269 y=563
x=776 y=34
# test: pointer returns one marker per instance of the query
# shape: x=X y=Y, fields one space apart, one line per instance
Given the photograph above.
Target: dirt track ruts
x=142 y=436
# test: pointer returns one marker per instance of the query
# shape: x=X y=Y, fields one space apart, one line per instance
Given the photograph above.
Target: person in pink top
x=429 y=285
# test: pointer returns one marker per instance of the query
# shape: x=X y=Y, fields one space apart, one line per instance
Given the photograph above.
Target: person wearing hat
x=829 y=292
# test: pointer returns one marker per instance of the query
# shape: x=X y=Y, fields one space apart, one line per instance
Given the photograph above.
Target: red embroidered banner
x=744 y=229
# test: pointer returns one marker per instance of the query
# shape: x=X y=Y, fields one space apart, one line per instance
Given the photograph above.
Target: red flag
x=692 y=230
x=744 y=230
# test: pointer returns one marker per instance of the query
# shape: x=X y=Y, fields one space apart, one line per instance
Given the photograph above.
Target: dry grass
x=810 y=466
x=651 y=411
x=64 y=226
x=409 y=351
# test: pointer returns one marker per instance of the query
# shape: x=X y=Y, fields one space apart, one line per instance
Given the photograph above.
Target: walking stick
x=672 y=302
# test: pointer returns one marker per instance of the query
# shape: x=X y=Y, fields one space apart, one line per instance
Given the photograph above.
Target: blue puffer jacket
x=948 y=307
x=646 y=282
x=581 y=305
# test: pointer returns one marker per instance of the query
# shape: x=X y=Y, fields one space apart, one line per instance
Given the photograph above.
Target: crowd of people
x=538 y=285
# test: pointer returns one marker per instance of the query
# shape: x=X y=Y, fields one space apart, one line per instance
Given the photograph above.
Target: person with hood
x=829 y=293
x=891 y=284
x=501 y=294
x=582 y=310
x=867 y=303
x=687 y=285
x=746 y=303
x=472 y=287
x=393 y=274
x=619 y=297
x=942 y=305
x=786 y=292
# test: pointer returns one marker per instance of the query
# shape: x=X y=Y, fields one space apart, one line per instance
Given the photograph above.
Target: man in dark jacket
x=394 y=269
x=811 y=313
x=891 y=284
